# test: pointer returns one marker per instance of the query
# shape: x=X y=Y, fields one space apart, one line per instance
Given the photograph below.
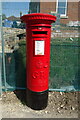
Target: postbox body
x=38 y=29
x=38 y=57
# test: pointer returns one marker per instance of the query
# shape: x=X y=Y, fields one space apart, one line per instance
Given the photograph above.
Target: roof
x=13 y=18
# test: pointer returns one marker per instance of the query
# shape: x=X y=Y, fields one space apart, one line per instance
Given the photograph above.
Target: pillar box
x=38 y=32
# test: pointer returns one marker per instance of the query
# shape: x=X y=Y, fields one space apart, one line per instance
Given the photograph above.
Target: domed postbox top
x=38 y=18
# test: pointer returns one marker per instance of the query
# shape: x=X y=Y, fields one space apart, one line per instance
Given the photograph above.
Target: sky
x=14 y=8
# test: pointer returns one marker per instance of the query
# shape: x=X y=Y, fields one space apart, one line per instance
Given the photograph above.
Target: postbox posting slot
x=40 y=32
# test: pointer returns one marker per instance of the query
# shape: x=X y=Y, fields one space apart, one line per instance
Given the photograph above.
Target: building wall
x=47 y=7
x=79 y=11
x=72 y=10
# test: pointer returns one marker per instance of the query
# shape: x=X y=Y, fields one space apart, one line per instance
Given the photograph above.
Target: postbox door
x=38 y=50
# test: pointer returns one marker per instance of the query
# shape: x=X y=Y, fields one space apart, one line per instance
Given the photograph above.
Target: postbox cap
x=40 y=18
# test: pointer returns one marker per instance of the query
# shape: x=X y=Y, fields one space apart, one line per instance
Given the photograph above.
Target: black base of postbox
x=37 y=100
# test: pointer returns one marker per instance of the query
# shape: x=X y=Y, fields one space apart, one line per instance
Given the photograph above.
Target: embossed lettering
x=39 y=74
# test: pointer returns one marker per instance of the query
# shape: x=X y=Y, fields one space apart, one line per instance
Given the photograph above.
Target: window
x=34 y=7
x=62 y=7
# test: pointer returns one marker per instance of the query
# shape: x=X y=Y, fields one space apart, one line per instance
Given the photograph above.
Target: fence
x=0 y=51
x=64 y=68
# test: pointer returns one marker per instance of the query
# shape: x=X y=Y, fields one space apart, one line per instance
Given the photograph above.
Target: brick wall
x=73 y=9
x=72 y=12
x=79 y=11
x=47 y=7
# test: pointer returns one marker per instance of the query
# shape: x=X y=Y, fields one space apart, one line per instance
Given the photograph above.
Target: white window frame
x=62 y=15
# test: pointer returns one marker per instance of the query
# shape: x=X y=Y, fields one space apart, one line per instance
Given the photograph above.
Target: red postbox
x=38 y=32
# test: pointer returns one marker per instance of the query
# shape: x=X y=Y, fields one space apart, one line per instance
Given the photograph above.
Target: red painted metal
x=38 y=29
